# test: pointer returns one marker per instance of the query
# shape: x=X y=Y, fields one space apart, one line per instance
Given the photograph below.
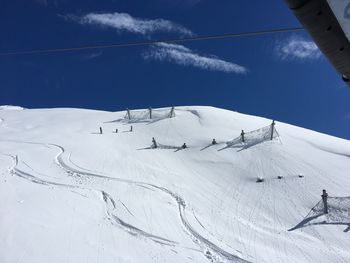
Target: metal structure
x=328 y=23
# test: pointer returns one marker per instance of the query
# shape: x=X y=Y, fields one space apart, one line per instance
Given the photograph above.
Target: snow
x=10 y=107
x=70 y=194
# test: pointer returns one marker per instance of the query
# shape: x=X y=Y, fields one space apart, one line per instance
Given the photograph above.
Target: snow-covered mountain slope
x=70 y=194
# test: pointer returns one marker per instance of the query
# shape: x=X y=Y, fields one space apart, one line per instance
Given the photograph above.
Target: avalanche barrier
x=149 y=114
x=246 y=140
x=338 y=214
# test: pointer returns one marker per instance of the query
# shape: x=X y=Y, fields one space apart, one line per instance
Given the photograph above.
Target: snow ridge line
x=212 y=251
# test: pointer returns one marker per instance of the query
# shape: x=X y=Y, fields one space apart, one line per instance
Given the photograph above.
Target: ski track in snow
x=14 y=159
x=111 y=206
x=211 y=251
x=109 y=201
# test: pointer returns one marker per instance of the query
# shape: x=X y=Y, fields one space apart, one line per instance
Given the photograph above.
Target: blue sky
x=280 y=76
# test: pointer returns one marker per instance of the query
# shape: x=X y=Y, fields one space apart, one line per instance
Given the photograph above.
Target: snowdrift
x=71 y=194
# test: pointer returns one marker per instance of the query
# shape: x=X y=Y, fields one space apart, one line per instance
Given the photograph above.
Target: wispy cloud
x=93 y=55
x=181 y=55
x=123 y=22
x=296 y=47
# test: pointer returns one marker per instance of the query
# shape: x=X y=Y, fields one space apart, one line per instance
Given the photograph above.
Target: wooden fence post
x=154 y=143
x=242 y=136
x=129 y=117
x=324 y=199
x=172 y=112
x=272 y=129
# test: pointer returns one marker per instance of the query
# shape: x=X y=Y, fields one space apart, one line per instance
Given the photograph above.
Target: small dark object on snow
x=154 y=143
x=116 y=130
x=208 y=254
x=131 y=128
x=214 y=142
x=300 y=175
x=260 y=180
x=184 y=146
x=100 y=130
x=242 y=136
x=279 y=177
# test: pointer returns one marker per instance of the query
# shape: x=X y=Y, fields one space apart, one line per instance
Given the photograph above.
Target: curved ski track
x=211 y=251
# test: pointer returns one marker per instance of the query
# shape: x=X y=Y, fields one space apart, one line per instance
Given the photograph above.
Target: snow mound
x=10 y=107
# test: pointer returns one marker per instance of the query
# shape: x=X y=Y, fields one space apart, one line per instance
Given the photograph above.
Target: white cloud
x=297 y=48
x=124 y=22
x=181 y=55
x=93 y=55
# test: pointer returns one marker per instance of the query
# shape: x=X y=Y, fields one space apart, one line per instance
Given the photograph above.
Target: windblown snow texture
x=71 y=194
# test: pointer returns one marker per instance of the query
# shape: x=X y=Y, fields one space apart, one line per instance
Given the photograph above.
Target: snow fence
x=254 y=137
x=338 y=210
x=149 y=114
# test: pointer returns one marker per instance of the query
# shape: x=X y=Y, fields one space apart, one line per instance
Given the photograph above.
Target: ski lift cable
x=152 y=42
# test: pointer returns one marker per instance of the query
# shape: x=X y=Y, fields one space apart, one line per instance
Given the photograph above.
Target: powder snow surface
x=70 y=194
